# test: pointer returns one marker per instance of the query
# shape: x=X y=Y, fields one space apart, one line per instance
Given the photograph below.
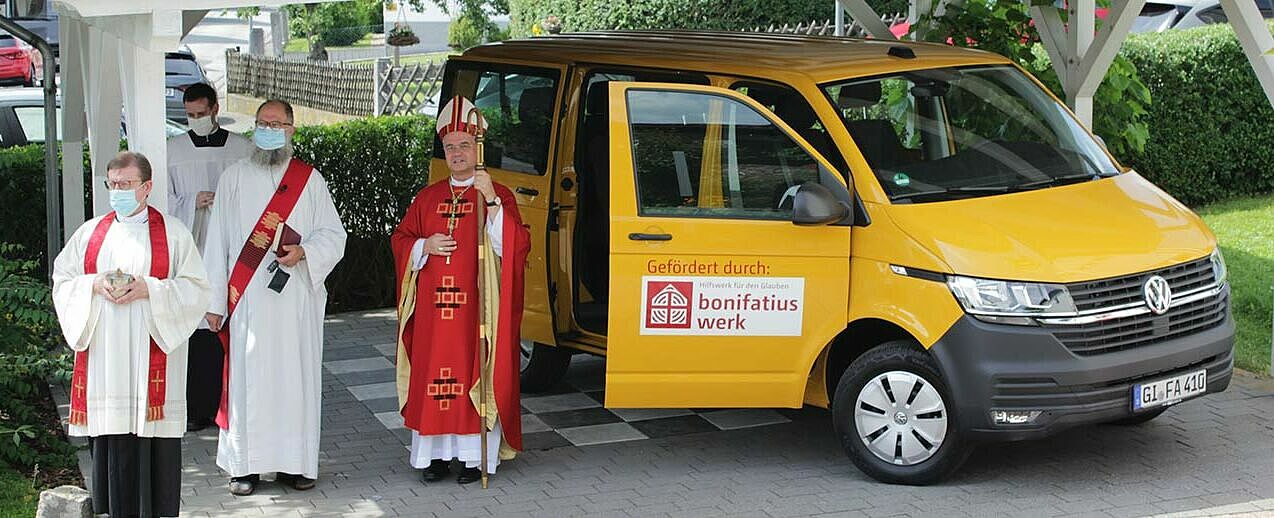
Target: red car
x=19 y=62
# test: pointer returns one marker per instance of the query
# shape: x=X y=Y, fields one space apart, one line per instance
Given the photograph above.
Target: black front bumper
x=1008 y=367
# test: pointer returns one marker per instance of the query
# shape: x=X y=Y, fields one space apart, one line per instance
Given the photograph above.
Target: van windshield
x=951 y=133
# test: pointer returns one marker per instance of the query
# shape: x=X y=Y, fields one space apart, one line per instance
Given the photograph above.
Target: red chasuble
x=439 y=332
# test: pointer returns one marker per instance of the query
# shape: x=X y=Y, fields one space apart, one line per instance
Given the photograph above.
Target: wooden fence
x=407 y=89
x=360 y=90
x=828 y=27
x=332 y=87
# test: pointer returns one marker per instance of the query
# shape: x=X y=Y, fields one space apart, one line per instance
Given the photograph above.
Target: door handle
x=641 y=236
x=527 y=191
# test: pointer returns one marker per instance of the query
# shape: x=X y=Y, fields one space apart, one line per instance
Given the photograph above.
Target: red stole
x=440 y=335
x=250 y=256
x=156 y=377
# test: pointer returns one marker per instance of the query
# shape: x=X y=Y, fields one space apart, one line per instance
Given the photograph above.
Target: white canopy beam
x=1254 y=35
x=870 y=20
x=1080 y=59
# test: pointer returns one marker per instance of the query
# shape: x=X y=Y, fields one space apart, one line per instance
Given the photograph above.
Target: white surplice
x=195 y=164
x=276 y=339
x=117 y=337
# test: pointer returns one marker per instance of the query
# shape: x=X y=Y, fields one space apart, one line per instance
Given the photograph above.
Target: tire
x=30 y=81
x=929 y=452
x=543 y=366
x=1140 y=418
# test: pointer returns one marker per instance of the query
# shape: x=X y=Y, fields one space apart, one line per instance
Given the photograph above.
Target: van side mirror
x=816 y=205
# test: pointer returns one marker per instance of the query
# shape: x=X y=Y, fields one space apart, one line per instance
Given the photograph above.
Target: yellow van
x=916 y=236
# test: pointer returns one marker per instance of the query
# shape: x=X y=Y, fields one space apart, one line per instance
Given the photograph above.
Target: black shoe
x=469 y=475
x=244 y=486
x=437 y=470
x=194 y=425
x=297 y=482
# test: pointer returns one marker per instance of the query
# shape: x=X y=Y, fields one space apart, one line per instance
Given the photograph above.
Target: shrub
x=29 y=430
x=374 y=167
x=1211 y=133
x=585 y=15
x=464 y=33
x=22 y=192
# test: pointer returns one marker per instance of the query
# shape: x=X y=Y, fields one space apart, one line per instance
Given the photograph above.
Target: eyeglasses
x=273 y=124
x=122 y=185
x=452 y=148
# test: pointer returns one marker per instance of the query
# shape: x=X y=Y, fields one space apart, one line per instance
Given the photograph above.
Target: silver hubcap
x=901 y=418
x=526 y=346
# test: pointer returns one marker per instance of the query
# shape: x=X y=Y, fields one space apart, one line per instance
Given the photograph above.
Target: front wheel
x=893 y=415
x=30 y=77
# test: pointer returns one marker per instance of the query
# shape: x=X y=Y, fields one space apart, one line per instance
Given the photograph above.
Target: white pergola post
x=840 y=19
x=72 y=34
x=1081 y=59
x=868 y=18
x=1254 y=35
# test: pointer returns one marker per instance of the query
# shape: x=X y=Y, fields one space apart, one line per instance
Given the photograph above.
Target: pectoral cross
x=455 y=208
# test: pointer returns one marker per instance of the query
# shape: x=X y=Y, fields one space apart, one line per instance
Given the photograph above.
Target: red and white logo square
x=668 y=304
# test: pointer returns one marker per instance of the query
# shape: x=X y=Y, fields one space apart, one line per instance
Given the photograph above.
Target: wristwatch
x=493 y=202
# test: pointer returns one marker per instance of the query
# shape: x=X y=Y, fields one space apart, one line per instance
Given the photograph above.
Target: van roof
x=821 y=58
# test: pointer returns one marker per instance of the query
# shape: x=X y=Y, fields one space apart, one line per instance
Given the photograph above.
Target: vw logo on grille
x=1158 y=294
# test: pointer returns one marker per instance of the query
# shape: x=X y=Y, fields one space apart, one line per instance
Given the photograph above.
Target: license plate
x=170 y=92
x=1169 y=391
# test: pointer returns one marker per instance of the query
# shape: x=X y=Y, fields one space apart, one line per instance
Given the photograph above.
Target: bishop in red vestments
x=436 y=251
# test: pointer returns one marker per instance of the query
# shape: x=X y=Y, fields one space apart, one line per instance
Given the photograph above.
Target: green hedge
x=374 y=167
x=1211 y=126
x=22 y=193
x=584 y=15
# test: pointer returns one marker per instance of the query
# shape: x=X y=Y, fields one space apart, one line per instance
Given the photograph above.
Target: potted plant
x=401 y=35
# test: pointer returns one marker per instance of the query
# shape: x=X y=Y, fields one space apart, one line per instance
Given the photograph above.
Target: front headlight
x=1218 y=266
x=1010 y=302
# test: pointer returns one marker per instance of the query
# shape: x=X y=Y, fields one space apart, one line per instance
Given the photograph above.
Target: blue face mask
x=123 y=202
x=269 y=139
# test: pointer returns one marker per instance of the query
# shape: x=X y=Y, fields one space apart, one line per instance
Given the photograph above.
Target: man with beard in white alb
x=274 y=238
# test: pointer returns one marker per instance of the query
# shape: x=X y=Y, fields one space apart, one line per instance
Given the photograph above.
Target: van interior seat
x=875 y=138
x=535 y=110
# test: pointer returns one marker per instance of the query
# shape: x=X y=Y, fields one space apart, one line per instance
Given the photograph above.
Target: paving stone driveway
x=1209 y=456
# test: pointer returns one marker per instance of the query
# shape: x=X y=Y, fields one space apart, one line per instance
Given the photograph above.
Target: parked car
x=1161 y=15
x=19 y=62
x=22 y=118
x=44 y=23
x=180 y=70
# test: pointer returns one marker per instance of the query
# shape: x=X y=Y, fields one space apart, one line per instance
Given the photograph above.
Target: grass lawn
x=1245 y=228
x=414 y=59
x=303 y=45
x=17 y=497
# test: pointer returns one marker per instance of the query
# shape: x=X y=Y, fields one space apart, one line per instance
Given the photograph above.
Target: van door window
x=700 y=155
x=517 y=103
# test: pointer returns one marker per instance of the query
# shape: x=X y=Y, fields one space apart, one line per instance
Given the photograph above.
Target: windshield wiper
x=992 y=189
x=1058 y=180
